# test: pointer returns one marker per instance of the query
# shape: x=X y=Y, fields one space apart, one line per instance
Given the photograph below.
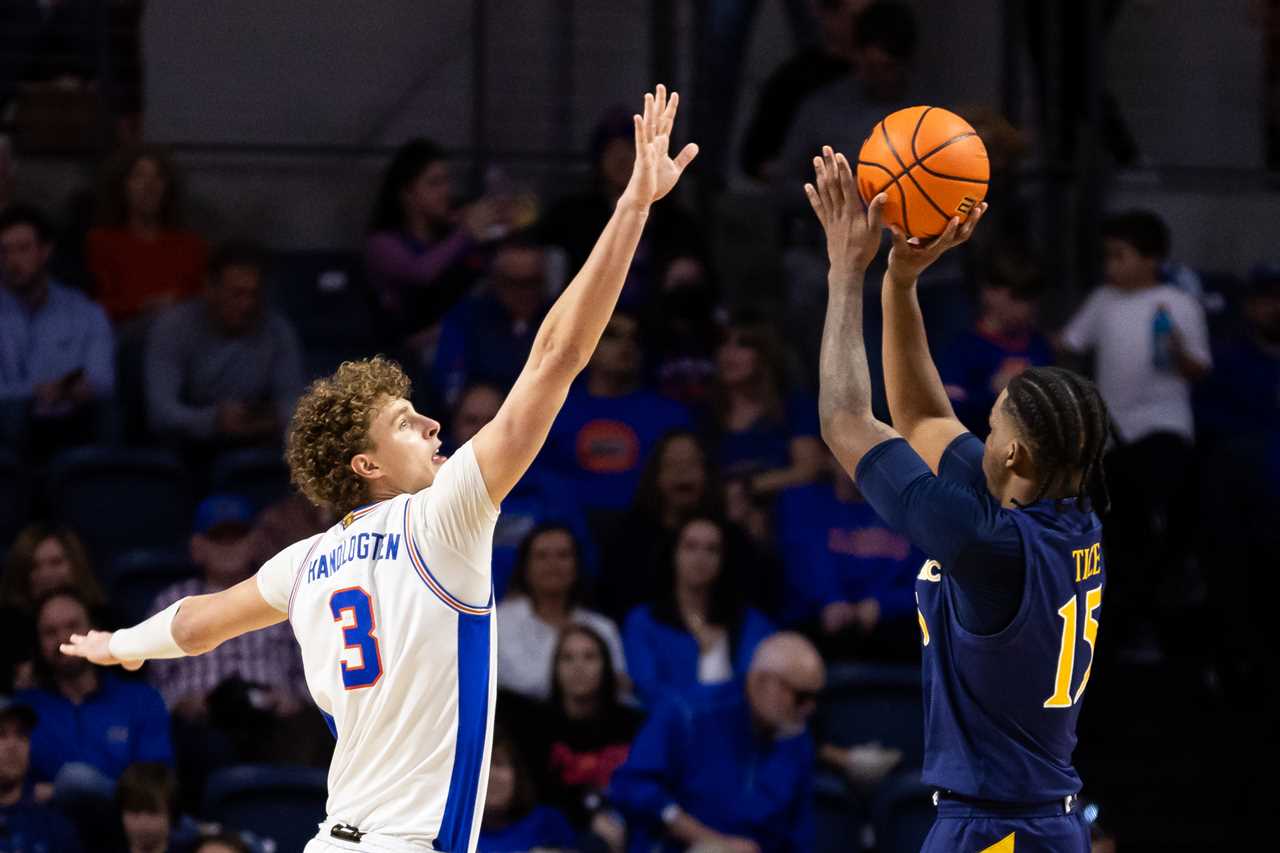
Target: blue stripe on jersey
x=473 y=722
x=331 y=723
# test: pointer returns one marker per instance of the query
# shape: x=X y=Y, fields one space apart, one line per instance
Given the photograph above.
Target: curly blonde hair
x=331 y=425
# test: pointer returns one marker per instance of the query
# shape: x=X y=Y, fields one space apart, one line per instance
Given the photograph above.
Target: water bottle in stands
x=1162 y=340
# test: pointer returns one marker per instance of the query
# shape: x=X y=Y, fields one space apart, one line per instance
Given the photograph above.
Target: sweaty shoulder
x=276 y=577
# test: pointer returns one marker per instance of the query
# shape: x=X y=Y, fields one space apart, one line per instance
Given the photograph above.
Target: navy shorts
x=961 y=828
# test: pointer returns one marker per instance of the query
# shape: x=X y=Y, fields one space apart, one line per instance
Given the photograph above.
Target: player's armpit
x=932 y=436
x=206 y=621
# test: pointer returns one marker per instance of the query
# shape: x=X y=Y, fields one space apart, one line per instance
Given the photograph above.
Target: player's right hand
x=909 y=258
x=95 y=647
x=656 y=172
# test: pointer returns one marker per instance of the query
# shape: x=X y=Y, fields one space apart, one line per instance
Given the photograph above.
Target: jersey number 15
x=1062 y=696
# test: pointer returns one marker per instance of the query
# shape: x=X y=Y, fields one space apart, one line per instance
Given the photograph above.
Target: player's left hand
x=656 y=172
x=95 y=647
x=909 y=258
x=853 y=236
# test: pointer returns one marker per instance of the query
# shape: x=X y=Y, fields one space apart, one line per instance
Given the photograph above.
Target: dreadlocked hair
x=1065 y=421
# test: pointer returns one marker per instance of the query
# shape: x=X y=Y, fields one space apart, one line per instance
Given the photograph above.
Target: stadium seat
x=134 y=578
x=258 y=474
x=902 y=814
x=324 y=294
x=121 y=498
x=283 y=803
x=14 y=498
x=865 y=703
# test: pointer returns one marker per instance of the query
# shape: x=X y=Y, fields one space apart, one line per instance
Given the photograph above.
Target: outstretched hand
x=853 y=236
x=95 y=647
x=909 y=258
x=656 y=172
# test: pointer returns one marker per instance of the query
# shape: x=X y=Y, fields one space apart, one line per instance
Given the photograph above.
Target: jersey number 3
x=1062 y=696
x=361 y=662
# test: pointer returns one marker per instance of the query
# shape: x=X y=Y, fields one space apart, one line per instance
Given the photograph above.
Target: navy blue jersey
x=1001 y=704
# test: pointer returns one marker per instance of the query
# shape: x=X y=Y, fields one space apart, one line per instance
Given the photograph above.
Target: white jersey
x=393 y=609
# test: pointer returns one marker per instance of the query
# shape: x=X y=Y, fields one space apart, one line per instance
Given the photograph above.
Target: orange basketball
x=931 y=163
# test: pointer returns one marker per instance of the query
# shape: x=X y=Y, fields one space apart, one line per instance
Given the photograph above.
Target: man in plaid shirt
x=266 y=662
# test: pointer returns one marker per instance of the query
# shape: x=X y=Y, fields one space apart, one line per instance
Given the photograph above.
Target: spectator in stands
x=587 y=734
x=842 y=113
x=1150 y=343
x=698 y=630
x=45 y=557
x=223 y=842
x=487 y=336
x=683 y=329
x=760 y=433
x=1242 y=396
x=26 y=822
x=678 y=480
x=422 y=254
x=696 y=772
x=92 y=723
x=544 y=599
x=42 y=558
x=808 y=70
x=672 y=242
x=609 y=424
x=513 y=820
x=541 y=497
x=1004 y=341
x=147 y=801
x=141 y=259
x=266 y=661
x=222 y=369
x=57 y=358
x=288 y=520
x=8 y=169
x=849 y=578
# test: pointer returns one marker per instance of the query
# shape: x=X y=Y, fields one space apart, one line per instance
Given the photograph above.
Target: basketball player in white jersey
x=393 y=606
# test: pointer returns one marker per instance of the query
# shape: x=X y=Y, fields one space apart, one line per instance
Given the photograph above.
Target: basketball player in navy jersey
x=1010 y=598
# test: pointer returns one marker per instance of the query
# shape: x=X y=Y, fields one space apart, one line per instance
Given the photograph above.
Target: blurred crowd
x=684 y=566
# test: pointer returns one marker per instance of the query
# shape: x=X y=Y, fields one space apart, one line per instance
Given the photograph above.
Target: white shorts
x=326 y=843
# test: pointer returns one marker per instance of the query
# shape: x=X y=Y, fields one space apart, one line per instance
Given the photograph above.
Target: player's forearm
x=844 y=381
x=572 y=328
x=911 y=379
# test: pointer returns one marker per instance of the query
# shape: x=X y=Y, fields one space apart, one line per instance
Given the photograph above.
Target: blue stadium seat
x=258 y=474
x=864 y=703
x=135 y=578
x=902 y=814
x=14 y=498
x=121 y=498
x=324 y=294
x=283 y=803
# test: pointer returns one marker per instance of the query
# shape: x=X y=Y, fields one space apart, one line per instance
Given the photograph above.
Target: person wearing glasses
x=728 y=765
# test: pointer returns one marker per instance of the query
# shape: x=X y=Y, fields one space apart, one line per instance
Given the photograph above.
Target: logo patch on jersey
x=931 y=571
x=1004 y=845
x=347 y=519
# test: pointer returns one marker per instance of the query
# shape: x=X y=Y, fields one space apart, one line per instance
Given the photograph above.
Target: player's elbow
x=559 y=358
x=188 y=632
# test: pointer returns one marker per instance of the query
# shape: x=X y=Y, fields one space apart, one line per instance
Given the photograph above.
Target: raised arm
x=918 y=404
x=507 y=445
x=190 y=626
x=853 y=238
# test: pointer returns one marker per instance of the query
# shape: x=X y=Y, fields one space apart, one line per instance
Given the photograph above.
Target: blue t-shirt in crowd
x=600 y=444
x=838 y=551
x=28 y=827
x=766 y=444
x=971 y=363
x=542 y=827
x=540 y=497
x=478 y=341
x=701 y=751
x=123 y=721
x=662 y=657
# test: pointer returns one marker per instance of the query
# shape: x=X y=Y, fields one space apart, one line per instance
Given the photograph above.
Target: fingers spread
x=669 y=114
x=815 y=201
x=875 y=212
